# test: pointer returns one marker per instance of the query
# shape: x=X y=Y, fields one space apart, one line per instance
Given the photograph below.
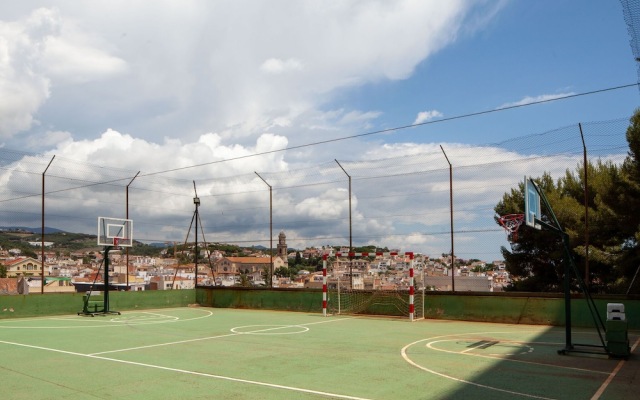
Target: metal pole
x=42 y=247
x=196 y=201
x=350 y=229
x=127 y=217
x=586 y=210
x=453 y=264
x=270 y=278
x=106 y=279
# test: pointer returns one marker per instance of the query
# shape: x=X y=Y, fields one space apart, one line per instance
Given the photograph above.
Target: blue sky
x=157 y=86
x=530 y=49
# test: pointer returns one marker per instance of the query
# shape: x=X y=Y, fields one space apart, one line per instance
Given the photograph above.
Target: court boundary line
x=404 y=355
x=184 y=371
x=468 y=354
x=100 y=323
x=612 y=375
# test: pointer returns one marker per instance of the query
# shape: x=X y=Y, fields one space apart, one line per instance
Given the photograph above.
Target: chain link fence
x=435 y=200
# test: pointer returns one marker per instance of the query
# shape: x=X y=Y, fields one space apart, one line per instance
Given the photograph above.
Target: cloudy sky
x=172 y=89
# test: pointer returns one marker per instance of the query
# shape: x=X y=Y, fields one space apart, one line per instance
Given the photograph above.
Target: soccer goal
x=342 y=296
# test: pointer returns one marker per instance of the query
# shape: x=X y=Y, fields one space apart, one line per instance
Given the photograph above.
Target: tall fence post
x=350 y=228
x=453 y=257
x=586 y=209
x=42 y=247
x=127 y=217
x=270 y=229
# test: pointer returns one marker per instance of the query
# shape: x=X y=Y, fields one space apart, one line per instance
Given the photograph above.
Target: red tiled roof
x=16 y=261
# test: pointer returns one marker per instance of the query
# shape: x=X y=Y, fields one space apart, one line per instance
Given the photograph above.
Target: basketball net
x=511 y=223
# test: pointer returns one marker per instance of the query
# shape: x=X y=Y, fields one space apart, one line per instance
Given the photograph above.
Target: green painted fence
x=37 y=305
x=515 y=308
x=512 y=308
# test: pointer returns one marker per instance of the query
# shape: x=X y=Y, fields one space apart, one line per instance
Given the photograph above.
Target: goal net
x=354 y=296
x=375 y=302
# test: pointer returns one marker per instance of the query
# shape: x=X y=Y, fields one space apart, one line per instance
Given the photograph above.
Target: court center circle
x=269 y=329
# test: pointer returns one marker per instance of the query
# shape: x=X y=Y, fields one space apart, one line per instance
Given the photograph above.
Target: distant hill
x=25 y=229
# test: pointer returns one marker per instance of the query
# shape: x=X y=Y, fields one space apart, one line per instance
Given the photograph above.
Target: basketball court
x=198 y=352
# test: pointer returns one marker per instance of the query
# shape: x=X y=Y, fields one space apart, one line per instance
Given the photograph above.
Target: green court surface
x=210 y=353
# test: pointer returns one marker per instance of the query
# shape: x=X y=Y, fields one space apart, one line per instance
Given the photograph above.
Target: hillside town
x=78 y=271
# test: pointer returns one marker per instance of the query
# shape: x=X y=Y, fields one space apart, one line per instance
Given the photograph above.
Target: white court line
x=430 y=345
x=617 y=369
x=212 y=337
x=403 y=352
x=99 y=322
x=183 y=371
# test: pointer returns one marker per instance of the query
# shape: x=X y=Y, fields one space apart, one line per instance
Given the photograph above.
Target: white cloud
x=277 y=66
x=535 y=99
x=38 y=52
x=357 y=116
x=23 y=87
x=49 y=139
x=425 y=116
x=273 y=62
x=70 y=62
x=400 y=192
x=180 y=85
x=330 y=204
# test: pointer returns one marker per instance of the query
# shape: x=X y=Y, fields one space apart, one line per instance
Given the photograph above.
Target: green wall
x=513 y=308
x=276 y=299
x=33 y=305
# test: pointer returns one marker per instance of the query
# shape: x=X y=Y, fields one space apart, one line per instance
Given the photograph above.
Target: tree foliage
x=612 y=198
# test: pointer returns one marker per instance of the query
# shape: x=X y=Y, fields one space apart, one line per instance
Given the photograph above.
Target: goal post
x=338 y=297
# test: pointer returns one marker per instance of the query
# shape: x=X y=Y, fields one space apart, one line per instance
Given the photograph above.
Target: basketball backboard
x=532 y=211
x=115 y=232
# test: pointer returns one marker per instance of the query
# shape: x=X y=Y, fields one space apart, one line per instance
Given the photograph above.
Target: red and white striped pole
x=324 y=285
x=411 y=288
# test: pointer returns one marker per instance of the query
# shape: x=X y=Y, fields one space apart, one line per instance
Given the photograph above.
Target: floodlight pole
x=270 y=278
x=453 y=264
x=350 y=229
x=42 y=247
x=127 y=212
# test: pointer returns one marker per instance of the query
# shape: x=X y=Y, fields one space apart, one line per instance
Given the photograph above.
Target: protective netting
x=631 y=11
x=397 y=197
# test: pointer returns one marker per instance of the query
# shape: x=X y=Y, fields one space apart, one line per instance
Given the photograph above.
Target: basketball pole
x=569 y=265
x=106 y=278
x=106 y=309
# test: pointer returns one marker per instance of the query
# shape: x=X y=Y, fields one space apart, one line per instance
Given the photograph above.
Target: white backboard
x=115 y=232
x=532 y=211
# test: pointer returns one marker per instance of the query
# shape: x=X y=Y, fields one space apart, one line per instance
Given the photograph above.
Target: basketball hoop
x=511 y=223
